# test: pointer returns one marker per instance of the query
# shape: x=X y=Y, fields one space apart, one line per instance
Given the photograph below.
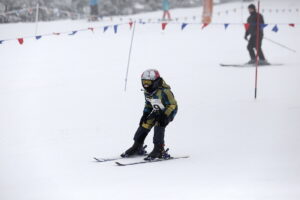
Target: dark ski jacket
x=252 y=21
x=162 y=98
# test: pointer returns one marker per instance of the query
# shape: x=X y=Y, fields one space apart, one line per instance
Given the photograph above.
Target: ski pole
x=257 y=49
x=129 y=56
x=281 y=45
x=37 y=18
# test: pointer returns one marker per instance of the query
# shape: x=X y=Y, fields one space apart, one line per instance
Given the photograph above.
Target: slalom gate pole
x=129 y=56
x=37 y=18
x=281 y=45
x=257 y=48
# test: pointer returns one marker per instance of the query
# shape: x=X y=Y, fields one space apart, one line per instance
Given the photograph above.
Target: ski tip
x=182 y=157
x=97 y=159
x=119 y=164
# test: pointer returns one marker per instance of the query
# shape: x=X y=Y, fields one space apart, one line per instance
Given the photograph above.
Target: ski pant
x=252 y=45
x=158 y=138
x=166 y=14
x=94 y=10
x=159 y=131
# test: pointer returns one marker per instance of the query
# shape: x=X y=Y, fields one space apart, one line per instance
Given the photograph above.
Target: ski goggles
x=147 y=82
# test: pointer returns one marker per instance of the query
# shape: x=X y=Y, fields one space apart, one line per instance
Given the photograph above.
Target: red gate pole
x=257 y=47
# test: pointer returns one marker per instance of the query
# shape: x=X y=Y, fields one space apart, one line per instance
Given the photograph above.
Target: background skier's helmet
x=252 y=8
x=150 y=80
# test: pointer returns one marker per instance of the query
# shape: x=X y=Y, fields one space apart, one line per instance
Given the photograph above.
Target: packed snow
x=62 y=102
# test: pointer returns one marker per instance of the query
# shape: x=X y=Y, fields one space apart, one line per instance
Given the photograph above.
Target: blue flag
x=38 y=37
x=226 y=26
x=116 y=28
x=183 y=26
x=262 y=26
x=73 y=33
x=275 y=29
x=105 y=28
x=1 y=41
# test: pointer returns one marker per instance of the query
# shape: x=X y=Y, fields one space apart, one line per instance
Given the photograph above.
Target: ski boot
x=158 y=152
x=136 y=149
x=251 y=62
x=263 y=62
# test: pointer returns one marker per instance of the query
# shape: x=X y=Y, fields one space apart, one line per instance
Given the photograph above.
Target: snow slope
x=62 y=102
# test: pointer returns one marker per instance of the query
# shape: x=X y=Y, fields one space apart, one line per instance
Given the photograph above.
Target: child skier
x=160 y=109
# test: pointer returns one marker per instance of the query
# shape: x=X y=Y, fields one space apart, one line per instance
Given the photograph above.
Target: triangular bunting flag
x=247 y=26
x=73 y=33
x=183 y=26
x=226 y=26
x=292 y=25
x=275 y=29
x=38 y=37
x=262 y=26
x=163 y=26
x=130 y=24
x=105 y=28
x=116 y=28
x=21 y=40
x=56 y=33
x=1 y=41
x=91 y=29
x=204 y=25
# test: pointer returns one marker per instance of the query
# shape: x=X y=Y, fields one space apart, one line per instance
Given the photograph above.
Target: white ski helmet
x=150 y=80
x=150 y=74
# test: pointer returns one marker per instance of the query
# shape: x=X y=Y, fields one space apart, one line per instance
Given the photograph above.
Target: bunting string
x=164 y=25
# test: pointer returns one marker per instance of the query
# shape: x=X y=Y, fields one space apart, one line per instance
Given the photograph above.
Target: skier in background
x=160 y=109
x=166 y=8
x=94 y=10
x=252 y=31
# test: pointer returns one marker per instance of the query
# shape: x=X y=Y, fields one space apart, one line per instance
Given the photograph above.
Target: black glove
x=246 y=37
x=143 y=119
x=154 y=115
x=163 y=120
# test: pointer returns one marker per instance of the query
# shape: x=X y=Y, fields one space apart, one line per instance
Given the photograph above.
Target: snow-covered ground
x=62 y=102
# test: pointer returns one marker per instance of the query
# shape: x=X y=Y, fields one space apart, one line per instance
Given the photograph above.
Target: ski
x=150 y=161
x=119 y=157
x=107 y=159
x=248 y=65
x=116 y=158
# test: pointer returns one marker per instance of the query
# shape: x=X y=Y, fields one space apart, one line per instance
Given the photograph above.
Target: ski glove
x=163 y=120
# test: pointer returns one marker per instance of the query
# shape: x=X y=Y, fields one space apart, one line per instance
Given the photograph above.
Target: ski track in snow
x=62 y=103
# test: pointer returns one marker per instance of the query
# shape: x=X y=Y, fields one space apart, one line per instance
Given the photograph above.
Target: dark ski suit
x=252 y=31
x=160 y=109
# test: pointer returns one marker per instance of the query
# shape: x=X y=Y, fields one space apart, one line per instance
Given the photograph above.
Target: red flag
x=56 y=33
x=292 y=25
x=130 y=24
x=204 y=25
x=91 y=29
x=21 y=40
x=247 y=26
x=163 y=26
